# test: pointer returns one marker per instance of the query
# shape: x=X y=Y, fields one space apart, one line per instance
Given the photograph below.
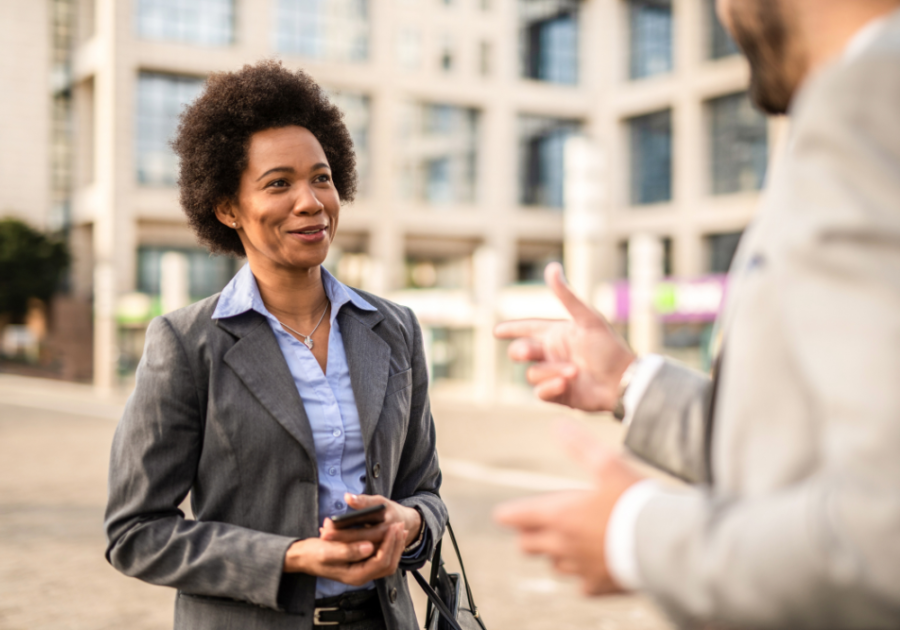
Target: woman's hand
x=395 y=513
x=353 y=563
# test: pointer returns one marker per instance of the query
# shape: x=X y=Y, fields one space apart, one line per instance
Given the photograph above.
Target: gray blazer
x=797 y=521
x=215 y=412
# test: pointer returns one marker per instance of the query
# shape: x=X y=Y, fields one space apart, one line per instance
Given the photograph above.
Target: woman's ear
x=225 y=213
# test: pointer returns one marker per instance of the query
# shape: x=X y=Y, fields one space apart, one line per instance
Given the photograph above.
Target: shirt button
x=332 y=471
x=393 y=595
x=338 y=505
x=376 y=470
x=336 y=433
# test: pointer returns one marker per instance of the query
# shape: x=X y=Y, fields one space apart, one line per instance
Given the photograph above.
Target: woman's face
x=287 y=209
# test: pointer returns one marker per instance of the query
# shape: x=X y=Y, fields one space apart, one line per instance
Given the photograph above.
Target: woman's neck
x=293 y=295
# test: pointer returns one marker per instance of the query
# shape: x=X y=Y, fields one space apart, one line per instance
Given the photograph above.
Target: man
x=794 y=446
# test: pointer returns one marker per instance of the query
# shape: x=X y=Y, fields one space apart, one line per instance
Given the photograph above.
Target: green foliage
x=31 y=266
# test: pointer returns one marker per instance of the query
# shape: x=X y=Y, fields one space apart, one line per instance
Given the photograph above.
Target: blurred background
x=493 y=136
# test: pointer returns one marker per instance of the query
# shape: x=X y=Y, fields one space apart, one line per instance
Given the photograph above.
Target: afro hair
x=214 y=136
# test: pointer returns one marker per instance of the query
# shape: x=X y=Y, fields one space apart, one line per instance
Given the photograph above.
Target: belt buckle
x=317 y=620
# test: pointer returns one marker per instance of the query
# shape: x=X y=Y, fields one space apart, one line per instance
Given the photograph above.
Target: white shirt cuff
x=647 y=367
x=620 y=544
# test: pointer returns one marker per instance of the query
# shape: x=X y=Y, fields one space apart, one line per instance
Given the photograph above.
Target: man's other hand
x=570 y=527
x=578 y=363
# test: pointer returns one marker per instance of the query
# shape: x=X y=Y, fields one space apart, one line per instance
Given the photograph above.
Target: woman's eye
x=278 y=183
x=323 y=178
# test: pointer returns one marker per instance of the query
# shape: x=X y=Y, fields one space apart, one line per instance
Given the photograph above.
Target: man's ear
x=225 y=213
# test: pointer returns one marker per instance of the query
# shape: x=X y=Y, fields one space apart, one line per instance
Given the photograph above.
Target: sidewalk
x=54 y=450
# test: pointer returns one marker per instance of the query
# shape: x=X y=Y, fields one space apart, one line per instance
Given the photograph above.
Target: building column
x=645 y=267
x=105 y=217
x=584 y=220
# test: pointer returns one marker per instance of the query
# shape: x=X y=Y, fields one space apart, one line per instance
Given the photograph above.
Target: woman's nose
x=307 y=202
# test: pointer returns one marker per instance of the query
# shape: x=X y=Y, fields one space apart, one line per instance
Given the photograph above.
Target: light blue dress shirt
x=327 y=398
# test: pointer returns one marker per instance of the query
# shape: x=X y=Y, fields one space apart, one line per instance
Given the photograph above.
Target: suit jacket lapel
x=257 y=360
x=369 y=360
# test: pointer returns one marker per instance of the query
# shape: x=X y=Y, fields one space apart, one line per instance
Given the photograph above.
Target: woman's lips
x=308 y=236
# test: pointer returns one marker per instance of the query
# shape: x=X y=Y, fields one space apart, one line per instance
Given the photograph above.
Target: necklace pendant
x=308 y=342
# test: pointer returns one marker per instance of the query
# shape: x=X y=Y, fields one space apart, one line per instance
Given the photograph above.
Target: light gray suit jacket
x=215 y=412
x=796 y=522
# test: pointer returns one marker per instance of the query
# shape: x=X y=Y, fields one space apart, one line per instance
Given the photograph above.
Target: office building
x=462 y=112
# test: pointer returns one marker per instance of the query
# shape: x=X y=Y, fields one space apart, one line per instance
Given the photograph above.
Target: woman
x=281 y=402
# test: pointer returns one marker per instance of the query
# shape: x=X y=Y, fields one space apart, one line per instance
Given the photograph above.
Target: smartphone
x=360 y=518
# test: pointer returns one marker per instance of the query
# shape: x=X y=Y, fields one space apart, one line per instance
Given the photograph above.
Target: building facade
x=463 y=113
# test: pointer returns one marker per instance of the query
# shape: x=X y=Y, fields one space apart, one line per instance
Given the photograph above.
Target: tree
x=31 y=266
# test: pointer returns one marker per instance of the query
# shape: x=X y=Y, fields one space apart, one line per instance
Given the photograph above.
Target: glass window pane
x=357 y=117
x=720 y=42
x=721 y=248
x=439 y=153
x=549 y=40
x=651 y=37
x=739 y=139
x=208 y=274
x=542 y=144
x=651 y=158
x=160 y=99
x=205 y=22
x=332 y=30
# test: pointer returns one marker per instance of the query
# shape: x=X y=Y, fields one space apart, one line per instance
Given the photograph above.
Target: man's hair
x=214 y=136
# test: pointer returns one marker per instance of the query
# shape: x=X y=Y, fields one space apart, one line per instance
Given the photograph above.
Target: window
x=739 y=142
x=651 y=158
x=336 y=30
x=445 y=61
x=549 y=40
x=542 y=143
x=452 y=353
x=651 y=37
x=205 y=22
x=484 y=58
x=721 y=249
x=161 y=97
x=208 y=274
x=439 y=163
x=533 y=257
x=409 y=49
x=720 y=42
x=357 y=117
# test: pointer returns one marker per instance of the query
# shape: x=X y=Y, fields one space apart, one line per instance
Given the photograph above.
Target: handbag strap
x=434 y=598
x=462 y=568
x=435 y=568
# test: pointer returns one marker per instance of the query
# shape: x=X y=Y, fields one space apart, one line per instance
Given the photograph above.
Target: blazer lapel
x=257 y=360
x=369 y=360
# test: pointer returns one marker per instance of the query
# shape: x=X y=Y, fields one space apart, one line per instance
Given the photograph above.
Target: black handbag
x=449 y=606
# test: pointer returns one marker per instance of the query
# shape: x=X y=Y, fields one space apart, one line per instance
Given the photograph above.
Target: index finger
x=523 y=328
x=581 y=313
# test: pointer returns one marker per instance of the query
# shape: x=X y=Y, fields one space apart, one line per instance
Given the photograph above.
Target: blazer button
x=393 y=595
x=376 y=470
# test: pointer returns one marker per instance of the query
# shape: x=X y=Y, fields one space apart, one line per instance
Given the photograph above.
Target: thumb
x=360 y=501
x=584 y=447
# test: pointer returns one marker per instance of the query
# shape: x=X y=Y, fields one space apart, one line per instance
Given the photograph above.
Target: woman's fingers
x=383 y=563
x=372 y=533
x=336 y=553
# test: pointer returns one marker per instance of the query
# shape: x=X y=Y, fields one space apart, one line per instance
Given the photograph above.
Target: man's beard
x=761 y=30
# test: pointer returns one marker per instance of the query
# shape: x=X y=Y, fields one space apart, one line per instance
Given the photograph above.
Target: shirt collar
x=242 y=295
x=865 y=36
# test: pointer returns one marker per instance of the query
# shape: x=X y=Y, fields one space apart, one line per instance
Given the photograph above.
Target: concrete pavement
x=54 y=446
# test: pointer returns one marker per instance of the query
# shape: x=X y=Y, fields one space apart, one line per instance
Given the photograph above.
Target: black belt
x=347 y=608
